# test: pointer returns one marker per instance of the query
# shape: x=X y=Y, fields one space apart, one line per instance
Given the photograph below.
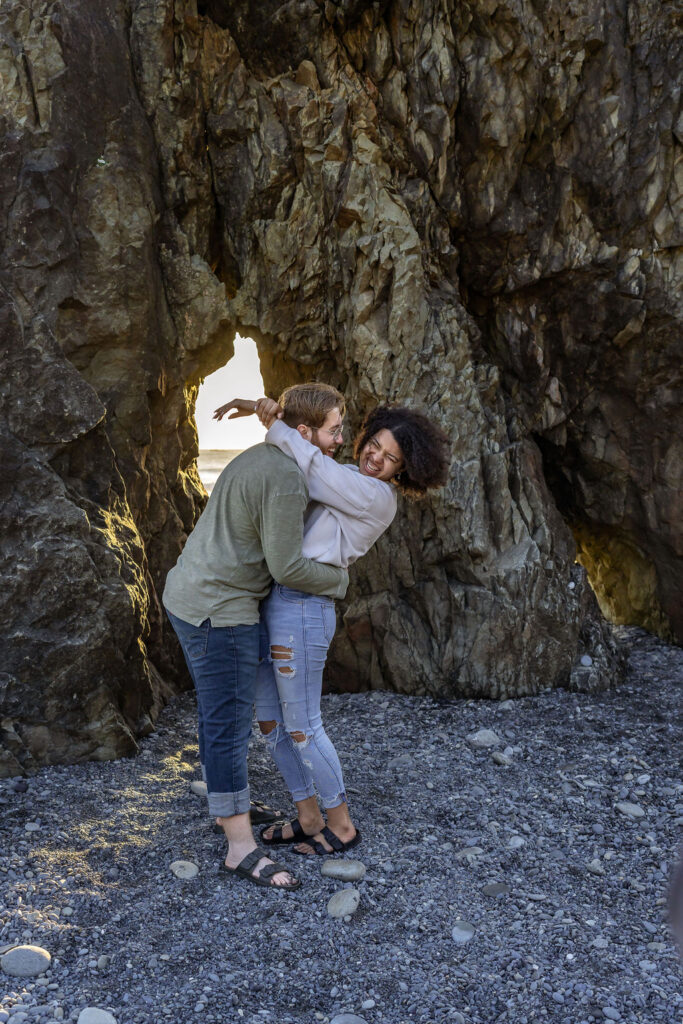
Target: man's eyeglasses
x=335 y=434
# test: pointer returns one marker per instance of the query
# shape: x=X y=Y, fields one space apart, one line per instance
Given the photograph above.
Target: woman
x=398 y=450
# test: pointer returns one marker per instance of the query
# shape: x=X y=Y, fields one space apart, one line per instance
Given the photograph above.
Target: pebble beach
x=515 y=864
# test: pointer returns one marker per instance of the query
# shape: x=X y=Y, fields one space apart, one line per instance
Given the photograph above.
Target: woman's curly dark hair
x=424 y=447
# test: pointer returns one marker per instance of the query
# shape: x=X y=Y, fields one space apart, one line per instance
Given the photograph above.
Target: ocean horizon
x=212 y=462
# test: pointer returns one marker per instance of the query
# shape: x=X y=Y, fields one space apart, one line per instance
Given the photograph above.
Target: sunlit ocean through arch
x=212 y=462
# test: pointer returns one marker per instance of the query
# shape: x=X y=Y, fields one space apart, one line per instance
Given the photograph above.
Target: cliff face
x=471 y=208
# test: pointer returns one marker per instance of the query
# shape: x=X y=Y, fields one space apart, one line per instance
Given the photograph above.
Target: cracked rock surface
x=472 y=208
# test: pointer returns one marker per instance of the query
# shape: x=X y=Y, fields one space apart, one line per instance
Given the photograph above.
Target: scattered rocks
x=343 y=903
x=427 y=861
x=346 y=870
x=184 y=869
x=25 y=961
x=483 y=738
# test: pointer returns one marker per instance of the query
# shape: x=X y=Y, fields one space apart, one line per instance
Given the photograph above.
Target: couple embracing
x=251 y=600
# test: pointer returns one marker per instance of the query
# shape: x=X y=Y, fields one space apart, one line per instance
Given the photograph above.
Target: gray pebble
x=91 y=1015
x=611 y=1013
x=501 y=759
x=25 y=961
x=515 y=843
x=630 y=810
x=348 y=1018
x=483 y=738
x=496 y=889
x=462 y=931
x=184 y=869
x=198 y=787
x=469 y=853
x=345 y=870
x=343 y=903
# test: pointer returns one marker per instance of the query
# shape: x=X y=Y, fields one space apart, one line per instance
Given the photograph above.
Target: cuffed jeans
x=288 y=691
x=223 y=662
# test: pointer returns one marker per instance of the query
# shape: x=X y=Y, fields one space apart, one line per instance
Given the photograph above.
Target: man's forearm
x=311 y=577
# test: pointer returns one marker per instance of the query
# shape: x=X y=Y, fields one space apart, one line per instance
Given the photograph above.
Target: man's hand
x=240 y=407
x=268 y=411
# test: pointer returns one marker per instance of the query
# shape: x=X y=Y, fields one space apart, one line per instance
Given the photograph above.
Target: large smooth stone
x=25 y=961
x=345 y=870
x=198 y=787
x=91 y=1015
x=484 y=738
x=348 y=1018
x=630 y=810
x=343 y=902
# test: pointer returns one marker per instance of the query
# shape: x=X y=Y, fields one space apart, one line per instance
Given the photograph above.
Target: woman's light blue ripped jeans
x=296 y=632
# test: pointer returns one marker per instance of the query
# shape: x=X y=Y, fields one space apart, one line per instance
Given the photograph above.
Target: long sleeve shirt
x=348 y=511
x=249 y=534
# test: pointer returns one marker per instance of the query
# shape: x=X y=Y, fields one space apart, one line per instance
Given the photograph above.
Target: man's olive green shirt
x=249 y=534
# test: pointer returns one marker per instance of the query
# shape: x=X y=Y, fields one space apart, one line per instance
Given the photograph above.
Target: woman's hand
x=268 y=411
x=240 y=406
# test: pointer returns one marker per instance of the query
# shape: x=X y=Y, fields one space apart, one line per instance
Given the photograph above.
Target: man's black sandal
x=245 y=869
x=338 y=846
x=259 y=813
x=277 y=838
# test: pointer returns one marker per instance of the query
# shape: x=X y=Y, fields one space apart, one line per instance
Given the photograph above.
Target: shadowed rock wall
x=466 y=207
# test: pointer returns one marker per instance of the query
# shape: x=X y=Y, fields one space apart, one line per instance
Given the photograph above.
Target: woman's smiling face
x=381 y=457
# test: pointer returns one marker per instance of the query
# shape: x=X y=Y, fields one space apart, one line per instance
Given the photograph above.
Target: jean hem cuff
x=227 y=805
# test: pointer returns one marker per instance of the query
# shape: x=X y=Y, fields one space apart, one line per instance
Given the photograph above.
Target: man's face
x=329 y=437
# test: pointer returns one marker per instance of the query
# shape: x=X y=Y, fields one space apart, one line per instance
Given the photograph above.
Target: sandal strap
x=277 y=836
x=251 y=860
x=273 y=869
x=335 y=842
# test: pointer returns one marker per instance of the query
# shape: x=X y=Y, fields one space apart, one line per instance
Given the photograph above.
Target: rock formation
x=470 y=207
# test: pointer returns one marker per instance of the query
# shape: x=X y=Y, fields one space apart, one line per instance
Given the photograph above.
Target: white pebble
x=184 y=869
x=91 y=1015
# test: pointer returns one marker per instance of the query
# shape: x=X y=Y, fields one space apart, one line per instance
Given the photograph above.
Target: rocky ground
x=577 y=835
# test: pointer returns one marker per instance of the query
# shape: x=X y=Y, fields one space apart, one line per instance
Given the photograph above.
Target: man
x=249 y=534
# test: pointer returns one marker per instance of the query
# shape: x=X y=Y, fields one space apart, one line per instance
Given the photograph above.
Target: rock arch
x=458 y=207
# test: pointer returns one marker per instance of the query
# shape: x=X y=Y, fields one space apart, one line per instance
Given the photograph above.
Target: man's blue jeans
x=223 y=663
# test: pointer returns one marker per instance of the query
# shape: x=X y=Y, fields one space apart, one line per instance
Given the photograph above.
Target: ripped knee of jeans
x=280 y=653
x=300 y=738
x=271 y=732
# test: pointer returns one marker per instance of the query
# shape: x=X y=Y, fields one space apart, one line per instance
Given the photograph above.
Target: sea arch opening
x=220 y=442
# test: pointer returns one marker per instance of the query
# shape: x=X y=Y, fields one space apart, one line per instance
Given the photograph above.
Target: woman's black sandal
x=338 y=846
x=245 y=869
x=277 y=839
